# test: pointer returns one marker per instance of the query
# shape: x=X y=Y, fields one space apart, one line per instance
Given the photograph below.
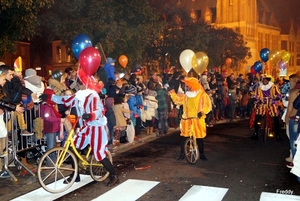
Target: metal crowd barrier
x=29 y=145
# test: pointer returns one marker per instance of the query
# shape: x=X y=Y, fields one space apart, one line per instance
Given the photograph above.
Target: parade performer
x=267 y=96
x=196 y=103
x=93 y=124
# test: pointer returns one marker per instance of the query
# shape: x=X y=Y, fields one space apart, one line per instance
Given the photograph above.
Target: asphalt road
x=245 y=168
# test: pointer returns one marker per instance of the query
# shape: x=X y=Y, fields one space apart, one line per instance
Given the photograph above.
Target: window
x=284 y=45
x=207 y=17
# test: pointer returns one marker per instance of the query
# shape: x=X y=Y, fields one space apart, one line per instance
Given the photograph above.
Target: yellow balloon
x=200 y=62
x=185 y=59
x=274 y=57
x=285 y=56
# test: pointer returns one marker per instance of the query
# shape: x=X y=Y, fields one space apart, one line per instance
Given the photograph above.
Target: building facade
x=255 y=20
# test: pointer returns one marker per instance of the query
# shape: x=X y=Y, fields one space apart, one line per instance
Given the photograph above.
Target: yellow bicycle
x=55 y=166
x=191 y=151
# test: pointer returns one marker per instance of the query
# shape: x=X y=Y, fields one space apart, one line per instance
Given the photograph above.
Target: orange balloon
x=123 y=60
x=228 y=61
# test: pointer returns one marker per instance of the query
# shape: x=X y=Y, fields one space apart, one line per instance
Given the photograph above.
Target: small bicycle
x=191 y=151
x=55 y=166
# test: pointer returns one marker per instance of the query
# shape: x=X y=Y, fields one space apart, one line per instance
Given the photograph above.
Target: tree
x=122 y=27
x=227 y=43
x=18 y=21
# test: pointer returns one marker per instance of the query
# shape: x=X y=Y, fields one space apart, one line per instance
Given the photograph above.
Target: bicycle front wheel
x=51 y=175
x=191 y=151
x=97 y=170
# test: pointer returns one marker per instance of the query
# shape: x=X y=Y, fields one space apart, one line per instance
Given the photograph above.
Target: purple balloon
x=282 y=65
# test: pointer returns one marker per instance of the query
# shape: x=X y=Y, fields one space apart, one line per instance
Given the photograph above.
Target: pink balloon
x=89 y=60
x=282 y=65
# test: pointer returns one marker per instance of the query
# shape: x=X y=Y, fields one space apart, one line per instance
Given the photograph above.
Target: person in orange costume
x=196 y=104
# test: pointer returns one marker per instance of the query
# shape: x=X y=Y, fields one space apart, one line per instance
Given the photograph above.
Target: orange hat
x=192 y=83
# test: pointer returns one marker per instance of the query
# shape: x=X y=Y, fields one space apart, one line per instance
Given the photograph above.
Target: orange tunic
x=193 y=103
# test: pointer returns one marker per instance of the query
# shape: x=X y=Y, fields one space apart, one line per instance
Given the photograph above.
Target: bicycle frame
x=69 y=142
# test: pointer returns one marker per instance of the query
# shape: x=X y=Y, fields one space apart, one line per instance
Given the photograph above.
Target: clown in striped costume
x=196 y=104
x=92 y=131
x=267 y=96
x=93 y=126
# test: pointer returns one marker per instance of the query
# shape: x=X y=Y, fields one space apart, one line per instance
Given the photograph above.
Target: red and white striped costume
x=92 y=131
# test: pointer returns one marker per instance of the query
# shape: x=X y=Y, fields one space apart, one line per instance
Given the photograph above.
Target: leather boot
x=113 y=179
x=181 y=156
x=150 y=130
x=71 y=177
x=254 y=136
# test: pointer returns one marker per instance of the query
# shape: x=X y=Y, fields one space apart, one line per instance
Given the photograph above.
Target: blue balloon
x=79 y=43
x=257 y=66
x=264 y=54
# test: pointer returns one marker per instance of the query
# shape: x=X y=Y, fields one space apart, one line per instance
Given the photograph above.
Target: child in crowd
x=111 y=119
x=163 y=109
x=52 y=120
x=121 y=120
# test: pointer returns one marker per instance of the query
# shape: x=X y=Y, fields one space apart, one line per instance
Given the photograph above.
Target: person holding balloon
x=267 y=95
x=93 y=124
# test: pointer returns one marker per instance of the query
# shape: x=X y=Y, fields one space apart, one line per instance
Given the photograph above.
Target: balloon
x=90 y=60
x=264 y=54
x=274 y=56
x=79 y=43
x=253 y=72
x=185 y=59
x=285 y=56
x=123 y=60
x=257 y=66
x=282 y=65
x=89 y=81
x=228 y=61
x=200 y=62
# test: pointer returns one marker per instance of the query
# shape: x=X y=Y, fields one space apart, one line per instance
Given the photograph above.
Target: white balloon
x=185 y=59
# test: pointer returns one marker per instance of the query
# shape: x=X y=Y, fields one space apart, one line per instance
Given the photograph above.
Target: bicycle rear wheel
x=97 y=170
x=51 y=176
x=191 y=151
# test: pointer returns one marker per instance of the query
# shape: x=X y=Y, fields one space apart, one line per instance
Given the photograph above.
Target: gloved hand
x=199 y=114
x=43 y=97
x=86 y=116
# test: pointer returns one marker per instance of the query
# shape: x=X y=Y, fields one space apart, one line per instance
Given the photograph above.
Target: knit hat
x=30 y=72
x=49 y=92
x=110 y=60
x=130 y=90
x=57 y=75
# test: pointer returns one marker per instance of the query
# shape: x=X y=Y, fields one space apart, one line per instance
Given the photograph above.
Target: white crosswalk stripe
x=141 y=187
x=277 y=197
x=205 y=193
x=125 y=191
x=41 y=194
